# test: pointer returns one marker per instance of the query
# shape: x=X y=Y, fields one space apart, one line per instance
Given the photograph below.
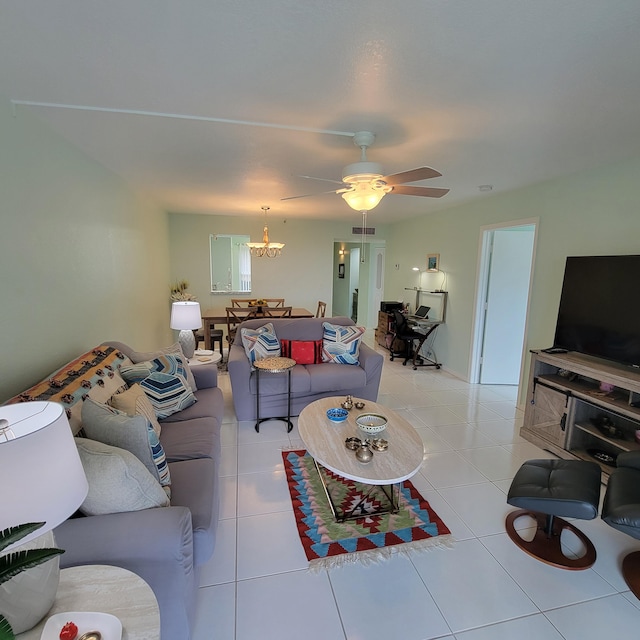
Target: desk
x=428 y=329
x=109 y=590
x=211 y=317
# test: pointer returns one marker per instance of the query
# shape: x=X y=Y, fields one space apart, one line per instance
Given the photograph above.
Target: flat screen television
x=599 y=313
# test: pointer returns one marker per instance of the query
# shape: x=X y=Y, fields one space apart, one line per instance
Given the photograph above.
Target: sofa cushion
x=135 y=434
x=210 y=402
x=330 y=376
x=118 y=481
x=197 y=438
x=134 y=402
x=260 y=343
x=94 y=374
x=302 y=351
x=341 y=344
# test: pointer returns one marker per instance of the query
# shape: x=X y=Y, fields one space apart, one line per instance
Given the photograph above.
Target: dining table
x=218 y=315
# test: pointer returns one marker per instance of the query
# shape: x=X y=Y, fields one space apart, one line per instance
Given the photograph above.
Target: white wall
x=82 y=259
x=302 y=275
x=593 y=212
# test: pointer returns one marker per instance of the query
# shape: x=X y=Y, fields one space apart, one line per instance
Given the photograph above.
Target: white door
x=507 y=293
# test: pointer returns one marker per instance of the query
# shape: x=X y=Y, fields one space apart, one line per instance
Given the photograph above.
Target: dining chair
x=240 y=302
x=235 y=316
x=274 y=302
x=277 y=312
x=322 y=308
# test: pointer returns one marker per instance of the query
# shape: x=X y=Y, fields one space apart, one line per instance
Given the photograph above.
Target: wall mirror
x=230 y=260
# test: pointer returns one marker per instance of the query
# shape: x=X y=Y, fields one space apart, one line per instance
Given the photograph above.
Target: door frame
x=482 y=284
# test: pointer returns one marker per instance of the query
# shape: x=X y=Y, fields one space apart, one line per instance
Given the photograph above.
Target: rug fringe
x=375 y=556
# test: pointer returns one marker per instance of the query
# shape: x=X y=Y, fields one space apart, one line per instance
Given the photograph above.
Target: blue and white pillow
x=260 y=343
x=167 y=393
x=164 y=363
x=164 y=381
x=341 y=344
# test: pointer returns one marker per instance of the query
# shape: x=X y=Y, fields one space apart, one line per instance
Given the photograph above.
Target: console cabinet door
x=549 y=414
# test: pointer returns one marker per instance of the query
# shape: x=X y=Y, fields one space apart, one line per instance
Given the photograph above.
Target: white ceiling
x=499 y=92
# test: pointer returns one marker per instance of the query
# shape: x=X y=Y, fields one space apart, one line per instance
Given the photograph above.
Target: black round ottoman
x=548 y=490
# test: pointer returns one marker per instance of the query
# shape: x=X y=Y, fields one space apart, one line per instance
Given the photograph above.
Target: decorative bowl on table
x=371 y=422
x=337 y=415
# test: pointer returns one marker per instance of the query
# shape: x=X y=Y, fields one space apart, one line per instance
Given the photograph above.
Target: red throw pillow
x=302 y=351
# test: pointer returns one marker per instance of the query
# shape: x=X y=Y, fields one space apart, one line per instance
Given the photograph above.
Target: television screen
x=599 y=312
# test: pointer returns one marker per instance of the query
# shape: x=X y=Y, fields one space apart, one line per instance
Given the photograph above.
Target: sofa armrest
x=238 y=364
x=205 y=375
x=156 y=544
x=371 y=361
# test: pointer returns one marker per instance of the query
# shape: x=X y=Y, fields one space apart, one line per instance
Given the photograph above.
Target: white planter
x=27 y=597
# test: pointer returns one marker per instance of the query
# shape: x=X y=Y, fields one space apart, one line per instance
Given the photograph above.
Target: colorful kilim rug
x=328 y=543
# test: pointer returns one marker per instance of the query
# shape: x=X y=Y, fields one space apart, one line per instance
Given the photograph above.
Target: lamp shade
x=41 y=476
x=186 y=315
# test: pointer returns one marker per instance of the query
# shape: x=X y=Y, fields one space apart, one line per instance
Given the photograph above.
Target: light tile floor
x=256 y=586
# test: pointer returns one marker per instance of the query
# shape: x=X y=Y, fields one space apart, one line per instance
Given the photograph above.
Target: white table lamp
x=185 y=315
x=42 y=480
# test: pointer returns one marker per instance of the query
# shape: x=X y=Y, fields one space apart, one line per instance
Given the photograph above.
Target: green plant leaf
x=6 y=632
x=12 y=564
x=13 y=534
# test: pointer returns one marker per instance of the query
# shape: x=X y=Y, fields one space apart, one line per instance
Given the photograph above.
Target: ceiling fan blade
x=429 y=192
x=323 y=179
x=309 y=195
x=413 y=175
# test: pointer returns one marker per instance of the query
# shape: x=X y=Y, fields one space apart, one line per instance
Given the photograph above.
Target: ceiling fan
x=364 y=185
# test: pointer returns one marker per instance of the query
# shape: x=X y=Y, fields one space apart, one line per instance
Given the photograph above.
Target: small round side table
x=275 y=364
x=106 y=589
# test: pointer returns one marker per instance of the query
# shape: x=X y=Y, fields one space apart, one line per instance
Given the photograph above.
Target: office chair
x=404 y=333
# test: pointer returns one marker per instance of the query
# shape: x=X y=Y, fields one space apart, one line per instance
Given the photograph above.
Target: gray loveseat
x=309 y=382
x=164 y=545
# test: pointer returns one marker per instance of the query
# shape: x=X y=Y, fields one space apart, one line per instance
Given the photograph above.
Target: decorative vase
x=26 y=598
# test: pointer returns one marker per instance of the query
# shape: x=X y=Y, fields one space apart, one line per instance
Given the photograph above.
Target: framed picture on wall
x=433 y=262
x=341 y=270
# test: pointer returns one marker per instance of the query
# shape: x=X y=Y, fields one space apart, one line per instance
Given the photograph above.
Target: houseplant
x=13 y=563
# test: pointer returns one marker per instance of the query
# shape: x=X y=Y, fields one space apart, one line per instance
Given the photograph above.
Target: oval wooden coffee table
x=325 y=442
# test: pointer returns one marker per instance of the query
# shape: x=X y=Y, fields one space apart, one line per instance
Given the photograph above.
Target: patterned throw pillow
x=260 y=343
x=163 y=363
x=168 y=394
x=341 y=344
x=164 y=382
x=134 y=402
x=302 y=351
x=175 y=350
x=135 y=434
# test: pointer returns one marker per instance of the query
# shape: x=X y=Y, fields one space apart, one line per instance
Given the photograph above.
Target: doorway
x=358 y=285
x=504 y=283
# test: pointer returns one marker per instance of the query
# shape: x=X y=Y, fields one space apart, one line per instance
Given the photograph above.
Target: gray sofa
x=165 y=545
x=308 y=382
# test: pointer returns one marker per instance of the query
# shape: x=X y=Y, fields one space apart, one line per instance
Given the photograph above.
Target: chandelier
x=265 y=248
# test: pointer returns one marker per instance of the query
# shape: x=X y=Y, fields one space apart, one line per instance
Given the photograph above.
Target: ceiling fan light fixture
x=363 y=196
x=265 y=249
